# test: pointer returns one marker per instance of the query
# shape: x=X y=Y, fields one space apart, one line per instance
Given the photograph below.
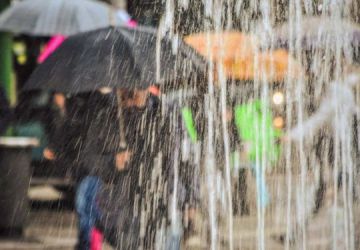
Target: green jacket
x=254 y=124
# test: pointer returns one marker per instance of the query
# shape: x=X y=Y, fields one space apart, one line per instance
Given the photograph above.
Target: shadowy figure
x=115 y=153
x=120 y=200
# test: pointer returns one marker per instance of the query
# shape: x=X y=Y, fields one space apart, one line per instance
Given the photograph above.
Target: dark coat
x=67 y=133
x=102 y=139
x=160 y=187
x=121 y=201
x=55 y=130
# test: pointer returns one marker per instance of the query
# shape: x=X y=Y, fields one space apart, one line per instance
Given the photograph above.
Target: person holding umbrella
x=130 y=197
x=109 y=164
x=238 y=55
x=97 y=159
x=118 y=58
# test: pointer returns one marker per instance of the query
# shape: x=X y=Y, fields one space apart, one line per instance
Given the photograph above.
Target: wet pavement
x=51 y=229
x=56 y=230
x=53 y=225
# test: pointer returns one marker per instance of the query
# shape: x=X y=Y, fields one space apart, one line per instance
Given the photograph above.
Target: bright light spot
x=105 y=90
x=278 y=98
x=278 y=122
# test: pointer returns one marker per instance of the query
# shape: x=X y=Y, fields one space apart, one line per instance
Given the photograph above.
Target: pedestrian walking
x=108 y=191
x=254 y=123
x=96 y=158
x=183 y=128
x=55 y=126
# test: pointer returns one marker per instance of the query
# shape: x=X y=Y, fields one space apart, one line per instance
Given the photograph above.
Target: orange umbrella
x=238 y=54
x=273 y=66
x=223 y=46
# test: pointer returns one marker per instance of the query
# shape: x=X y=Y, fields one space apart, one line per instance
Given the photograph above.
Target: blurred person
x=93 y=159
x=109 y=164
x=177 y=207
x=58 y=121
x=238 y=164
x=55 y=126
x=68 y=119
x=184 y=130
x=120 y=202
x=256 y=146
x=56 y=157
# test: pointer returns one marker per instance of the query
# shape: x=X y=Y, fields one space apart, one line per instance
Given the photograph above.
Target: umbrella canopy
x=318 y=32
x=239 y=54
x=224 y=46
x=49 y=17
x=273 y=66
x=114 y=57
x=57 y=40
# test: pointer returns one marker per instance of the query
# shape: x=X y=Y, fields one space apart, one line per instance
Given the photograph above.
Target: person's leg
x=85 y=204
x=263 y=195
x=242 y=189
x=174 y=233
x=320 y=192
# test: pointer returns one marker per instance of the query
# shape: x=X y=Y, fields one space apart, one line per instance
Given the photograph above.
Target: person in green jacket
x=194 y=128
x=254 y=124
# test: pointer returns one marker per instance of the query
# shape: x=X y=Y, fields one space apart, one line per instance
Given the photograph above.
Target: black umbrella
x=114 y=57
x=50 y=17
x=319 y=32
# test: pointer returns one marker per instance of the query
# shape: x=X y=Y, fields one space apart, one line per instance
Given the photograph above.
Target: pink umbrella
x=57 y=40
x=50 y=47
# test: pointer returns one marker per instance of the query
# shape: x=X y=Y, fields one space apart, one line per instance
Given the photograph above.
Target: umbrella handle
x=123 y=143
